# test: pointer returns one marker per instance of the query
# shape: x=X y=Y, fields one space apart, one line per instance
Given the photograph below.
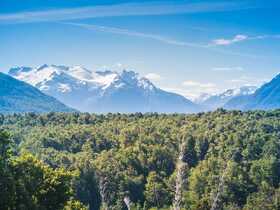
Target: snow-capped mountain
x=102 y=91
x=212 y=102
x=265 y=98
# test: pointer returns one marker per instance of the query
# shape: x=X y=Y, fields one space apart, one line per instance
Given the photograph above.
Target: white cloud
x=241 y=38
x=181 y=91
x=190 y=93
x=153 y=77
x=193 y=89
x=190 y=83
x=227 y=69
x=237 y=38
x=247 y=80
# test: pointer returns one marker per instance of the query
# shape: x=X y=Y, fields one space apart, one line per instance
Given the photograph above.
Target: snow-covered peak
x=245 y=90
x=80 y=73
x=17 y=70
x=212 y=102
x=44 y=66
x=226 y=95
x=248 y=89
x=129 y=74
x=65 y=79
x=35 y=76
x=202 y=97
x=105 y=72
x=134 y=78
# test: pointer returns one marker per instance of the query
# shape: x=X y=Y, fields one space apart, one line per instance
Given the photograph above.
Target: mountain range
x=111 y=91
x=103 y=91
x=267 y=97
x=17 y=96
x=212 y=102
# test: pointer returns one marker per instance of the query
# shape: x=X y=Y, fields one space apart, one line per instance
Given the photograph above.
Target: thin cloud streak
x=190 y=83
x=160 y=38
x=249 y=80
x=126 y=32
x=228 y=69
x=129 y=9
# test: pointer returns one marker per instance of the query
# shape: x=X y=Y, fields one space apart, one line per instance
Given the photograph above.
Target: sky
x=185 y=46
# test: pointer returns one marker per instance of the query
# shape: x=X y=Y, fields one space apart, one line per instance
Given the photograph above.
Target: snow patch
x=64 y=88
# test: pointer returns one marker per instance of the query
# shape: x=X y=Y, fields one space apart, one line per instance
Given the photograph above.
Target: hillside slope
x=17 y=96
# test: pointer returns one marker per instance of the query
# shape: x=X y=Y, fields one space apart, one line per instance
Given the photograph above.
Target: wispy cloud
x=154 y=77
x=191 y=83
x=126 y=32
x=227 y=69
x=241 y=38
x=129 y=9
x=248 y=80
x=160 y=38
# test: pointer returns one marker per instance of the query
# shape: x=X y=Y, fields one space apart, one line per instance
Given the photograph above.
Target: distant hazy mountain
x=212 y=102
x=103 y=91
x=266 y=97
x=17 y=96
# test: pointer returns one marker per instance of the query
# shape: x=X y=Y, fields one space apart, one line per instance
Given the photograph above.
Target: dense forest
x=226 y=160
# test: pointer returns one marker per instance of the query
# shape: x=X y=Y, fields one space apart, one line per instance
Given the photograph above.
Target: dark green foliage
x=134 y=156
x=6 y=178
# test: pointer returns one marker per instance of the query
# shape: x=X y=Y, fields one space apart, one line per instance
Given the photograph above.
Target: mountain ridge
x=265 y=98
x=212 y=102
x=17 y=97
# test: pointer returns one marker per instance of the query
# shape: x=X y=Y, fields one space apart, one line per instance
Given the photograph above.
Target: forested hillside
x=19 y=97
x=226 y=160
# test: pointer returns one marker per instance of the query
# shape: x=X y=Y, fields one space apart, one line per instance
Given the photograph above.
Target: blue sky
x=189 y=46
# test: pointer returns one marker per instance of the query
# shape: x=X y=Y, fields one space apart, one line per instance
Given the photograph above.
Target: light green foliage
x=39 y=186
x=74 y=205
x=156 y=191
x=28 y=183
